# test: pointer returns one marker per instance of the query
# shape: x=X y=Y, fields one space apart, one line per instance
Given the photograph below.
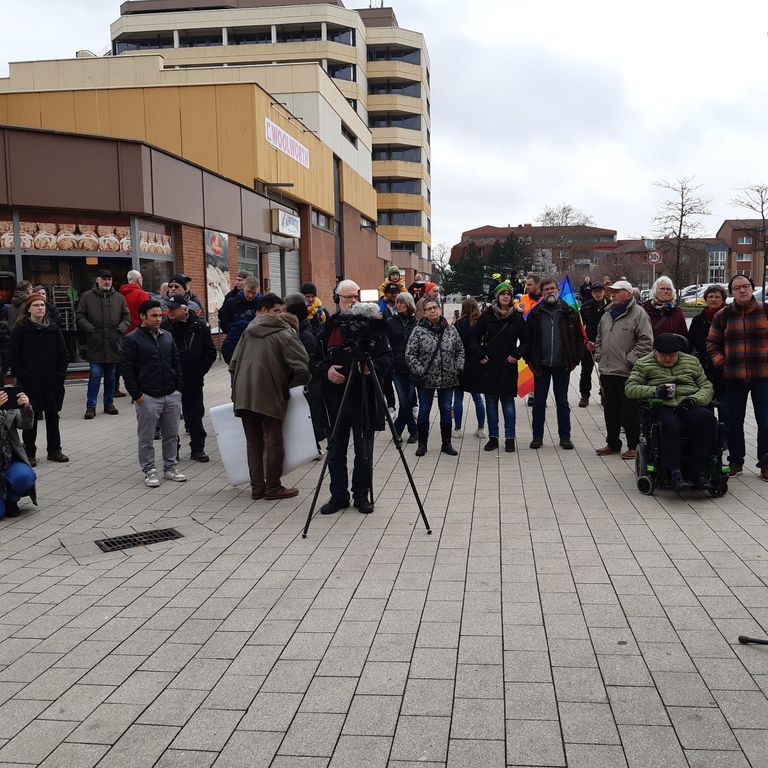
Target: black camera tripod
x=362 y=362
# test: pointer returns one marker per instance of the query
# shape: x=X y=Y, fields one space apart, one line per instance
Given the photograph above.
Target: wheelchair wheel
x=720 y=487
x=646 y=484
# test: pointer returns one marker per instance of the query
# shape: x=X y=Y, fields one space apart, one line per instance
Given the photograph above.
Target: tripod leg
x=381 y=400
x=367 y=433
x=331 y=442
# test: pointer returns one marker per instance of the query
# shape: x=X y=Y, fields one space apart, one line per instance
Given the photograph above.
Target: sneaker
x=536 y=443
x=281 y=493
x=58 y=456
x=175 y=475
x=457 y=433
x=630 y=453
x=735 y=469
x=334 y=505
x=566 y=444
x=492 y=444
x=480 y=432
x=151 y=480
x=111 y=410
x=90 y=413
x=584 y=402
x=200 y=456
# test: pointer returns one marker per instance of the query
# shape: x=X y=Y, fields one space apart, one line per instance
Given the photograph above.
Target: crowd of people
x=163 y=348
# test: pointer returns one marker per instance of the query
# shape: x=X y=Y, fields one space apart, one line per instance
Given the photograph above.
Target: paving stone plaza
x=555 y=617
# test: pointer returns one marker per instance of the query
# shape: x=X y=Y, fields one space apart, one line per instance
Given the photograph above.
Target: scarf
x=502 y=313
x=617 y=312
x=710 y=312
x=667 y=306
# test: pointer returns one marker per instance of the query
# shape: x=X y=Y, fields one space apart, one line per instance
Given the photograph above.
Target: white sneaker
x=151 y=480
x=480 y=432
x=175 y=475
x=457 y=433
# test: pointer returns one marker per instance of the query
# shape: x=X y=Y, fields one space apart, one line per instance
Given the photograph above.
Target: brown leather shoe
x=606 y=450
x=257 y=493
x=58 y=456
x=630 y=453
x=735 y=469
x=281 y=493
x=118 y=393
x=111 y=410
x=90 y=413
x=764 y=474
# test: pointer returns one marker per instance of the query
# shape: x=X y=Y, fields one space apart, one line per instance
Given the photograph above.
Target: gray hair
x=134 y=276
x=347 y=285
x=251 y=283
x=407 y=299
x=663 y=280
x=294 y=298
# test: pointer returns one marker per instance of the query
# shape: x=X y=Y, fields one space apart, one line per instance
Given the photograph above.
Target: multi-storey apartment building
x=381 y=70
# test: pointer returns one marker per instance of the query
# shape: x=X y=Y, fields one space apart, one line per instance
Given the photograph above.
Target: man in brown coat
x=268 y=361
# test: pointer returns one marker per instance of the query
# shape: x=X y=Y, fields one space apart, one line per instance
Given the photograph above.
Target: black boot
x=492 y=444
x=679 y=483
x=423 y=430
x=445 y=433
x=509 y=445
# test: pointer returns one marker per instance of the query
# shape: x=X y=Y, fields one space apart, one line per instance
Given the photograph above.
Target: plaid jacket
x=738 y=342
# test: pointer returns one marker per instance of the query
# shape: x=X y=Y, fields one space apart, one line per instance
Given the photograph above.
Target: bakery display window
x=156 y=272
x=7 y=240
x=45 y=231
x=155 y=238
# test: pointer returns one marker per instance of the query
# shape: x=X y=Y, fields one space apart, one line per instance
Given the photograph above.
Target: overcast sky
x=537 y=103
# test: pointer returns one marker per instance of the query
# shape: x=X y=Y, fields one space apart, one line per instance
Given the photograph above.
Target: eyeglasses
x=742 y=287
x=432 y=309
x=341 y=296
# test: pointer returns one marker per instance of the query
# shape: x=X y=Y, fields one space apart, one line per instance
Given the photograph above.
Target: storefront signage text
x=286 y=224
x=284 y=142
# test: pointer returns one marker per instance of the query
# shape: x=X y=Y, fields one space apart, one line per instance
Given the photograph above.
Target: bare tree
x=441 y=268
x=755 y=198
x=679 y=216
x=564 y=215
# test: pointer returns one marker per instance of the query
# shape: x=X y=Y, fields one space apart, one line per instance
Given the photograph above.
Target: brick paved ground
x=555 y=617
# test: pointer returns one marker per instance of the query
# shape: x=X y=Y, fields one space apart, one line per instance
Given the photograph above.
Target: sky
x=540 y=103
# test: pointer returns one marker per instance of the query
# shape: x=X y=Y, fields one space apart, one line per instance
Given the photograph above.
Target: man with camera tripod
x=338 y=363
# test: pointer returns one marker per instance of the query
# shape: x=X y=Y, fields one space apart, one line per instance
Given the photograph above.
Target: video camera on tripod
x=359 y=328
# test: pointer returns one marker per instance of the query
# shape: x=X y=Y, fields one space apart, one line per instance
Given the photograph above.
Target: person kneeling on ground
x=678 y=380
x=17 y=478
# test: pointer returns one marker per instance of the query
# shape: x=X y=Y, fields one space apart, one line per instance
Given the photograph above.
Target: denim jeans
x=508 y=408
x=19 y=479
x=444 y=402
x=559 y=379
x=736 y=398
x=458 y=407
x=405 y=388
x=99 y=370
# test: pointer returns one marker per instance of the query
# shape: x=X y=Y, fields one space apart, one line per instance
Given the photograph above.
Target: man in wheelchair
x=676 y=384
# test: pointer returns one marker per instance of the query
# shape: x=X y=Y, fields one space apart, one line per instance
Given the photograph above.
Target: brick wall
x=190 y=258
x=360 y=257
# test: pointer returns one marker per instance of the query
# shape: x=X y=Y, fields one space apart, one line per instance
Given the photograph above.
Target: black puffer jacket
x=697 y=341
x=234 y=308
x=591 y=314
x=195 y=346
x=150 y=364
x=496 y=338
x=399 y=329
x=469 y=380
x=38 y=358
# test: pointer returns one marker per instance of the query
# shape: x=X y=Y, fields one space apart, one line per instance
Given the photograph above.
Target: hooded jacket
x=686 y=374
x=268 y=361
x=38 y=358
x=134 y=296
x=104 y=317
x=620 y=343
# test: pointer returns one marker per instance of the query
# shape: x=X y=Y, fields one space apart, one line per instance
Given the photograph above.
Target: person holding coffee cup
x=677 y=379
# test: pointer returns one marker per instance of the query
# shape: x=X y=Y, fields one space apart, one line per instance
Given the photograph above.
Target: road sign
x=649 y=244
x=653 y=257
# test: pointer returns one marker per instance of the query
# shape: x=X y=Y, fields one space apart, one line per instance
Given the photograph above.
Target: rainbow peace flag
x=524 y=379
x=569 y=297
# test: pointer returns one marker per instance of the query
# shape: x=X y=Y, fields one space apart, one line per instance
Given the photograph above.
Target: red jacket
x=134 y=297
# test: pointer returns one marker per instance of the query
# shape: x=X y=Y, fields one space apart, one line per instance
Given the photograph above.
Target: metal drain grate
x=140 y=539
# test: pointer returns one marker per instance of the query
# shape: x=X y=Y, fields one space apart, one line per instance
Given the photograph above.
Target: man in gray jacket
x=104 y=316
x=624 y=335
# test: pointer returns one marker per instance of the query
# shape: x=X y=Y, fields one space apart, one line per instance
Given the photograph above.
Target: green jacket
x=686 y=373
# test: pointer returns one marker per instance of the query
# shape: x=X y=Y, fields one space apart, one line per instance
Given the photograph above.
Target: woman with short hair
x=663 y=312
x=435 y=356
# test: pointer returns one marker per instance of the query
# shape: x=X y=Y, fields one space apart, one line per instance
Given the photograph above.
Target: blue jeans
x=99 y=370
x=19 y=480
x=559 y=378
x=736 y=393
x=405 y=388
x=444 y=402
x=458 y=407
x=508 y=408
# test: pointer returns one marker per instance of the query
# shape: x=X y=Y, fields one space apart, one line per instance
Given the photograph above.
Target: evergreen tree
x=468 y=275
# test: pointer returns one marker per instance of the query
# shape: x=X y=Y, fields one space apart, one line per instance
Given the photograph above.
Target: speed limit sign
x=653 y=257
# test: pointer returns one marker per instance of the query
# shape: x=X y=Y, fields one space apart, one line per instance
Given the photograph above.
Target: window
x=352 y=103
x=141 y=42
x=199 y=38
x=348 y=134
x=341 y=35
x=399 y=245
x=366 y=223
x=745 y=240
x=342 y=71
x=398 y=186
x=397 y=152
x=395 y=87
x=743 y=257
x=717 y=258
x=394 y=120
x=399 y=218
x=258 y=36
x=323 y=221
x=298 y=34
x=388 y=53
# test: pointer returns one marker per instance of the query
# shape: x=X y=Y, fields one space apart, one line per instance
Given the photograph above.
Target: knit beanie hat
x=429 y=286
x=501 y=287
x=299 y=310
x=309 y=288
x=393 y=271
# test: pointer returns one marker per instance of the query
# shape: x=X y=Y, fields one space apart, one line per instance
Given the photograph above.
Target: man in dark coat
x=591 y=312
x=151 y=368
x=556 y=348
x=104 y=317
x=236 y=306
x=193 y=340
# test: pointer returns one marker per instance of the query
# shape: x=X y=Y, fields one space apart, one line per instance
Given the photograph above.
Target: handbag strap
x=434 y=354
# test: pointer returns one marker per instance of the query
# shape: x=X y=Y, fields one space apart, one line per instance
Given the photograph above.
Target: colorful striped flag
x=524 y=379
x=569 y=297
